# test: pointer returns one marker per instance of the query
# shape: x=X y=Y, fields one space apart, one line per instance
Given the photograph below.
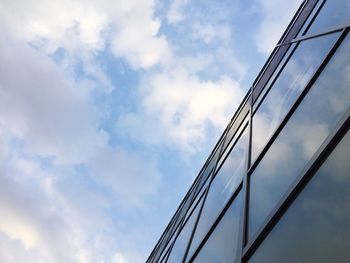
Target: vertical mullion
x=245 y=188
x=211 y=176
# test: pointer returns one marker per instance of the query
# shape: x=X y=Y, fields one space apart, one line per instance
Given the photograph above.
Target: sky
x=108 y=110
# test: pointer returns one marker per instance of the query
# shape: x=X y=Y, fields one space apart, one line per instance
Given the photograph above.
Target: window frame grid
x=269 y=221
x=295 y=105
x=298 y=185
x=208 y=189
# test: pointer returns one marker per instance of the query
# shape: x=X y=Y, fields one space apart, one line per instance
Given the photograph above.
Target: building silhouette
x=276 y=187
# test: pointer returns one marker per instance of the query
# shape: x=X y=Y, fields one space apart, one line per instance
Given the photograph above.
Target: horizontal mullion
x=311 y=36
x=297 y=102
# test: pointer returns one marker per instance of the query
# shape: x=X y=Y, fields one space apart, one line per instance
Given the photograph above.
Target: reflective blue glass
x=316 y=226
x=222 y=244
x=334 y=13
x=222 y=188
x=181 y=242
x=287 y=88
x=314 y=119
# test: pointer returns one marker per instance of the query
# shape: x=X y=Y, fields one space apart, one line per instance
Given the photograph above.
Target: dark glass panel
x=166 y=250
x=222 y=244
x=287 y=88
x=273 y=76
x=181 y=242
x=316 y=227
x=334 y=13
x=232 y=140
x=310 y=18
x=215 y=157
x=199 y=196
x=163 y=259
x=236 y=125
x=316 y=117
x=205 y=178
x=221 y=189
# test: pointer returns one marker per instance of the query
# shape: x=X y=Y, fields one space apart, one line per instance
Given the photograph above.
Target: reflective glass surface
x=287 y=88
x=222 y=188
x=231 y=141
x=181 y=242
x=316 y=227
x=273 y=76
x=306 y=25
x=221 y=246
x=199 y=196
x=165 y=251
x=334 y=13
x=233 y=129
x=315 y=118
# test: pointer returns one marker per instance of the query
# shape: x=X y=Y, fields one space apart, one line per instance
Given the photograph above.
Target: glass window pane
x=303 y=30
x=166 y=250
x=316 y=117
x=316 y=227
x=221 y=189
x=199 y=196
x=287 y=88
x=334 y=13
x=232 y=140
x=222 y=244
x=273 y=76
x=236 y=125
x=181 y=242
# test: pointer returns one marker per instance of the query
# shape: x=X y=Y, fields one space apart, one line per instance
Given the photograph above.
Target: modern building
x=276 y=187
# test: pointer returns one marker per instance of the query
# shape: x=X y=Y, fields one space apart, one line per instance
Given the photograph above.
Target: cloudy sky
x=108 y=110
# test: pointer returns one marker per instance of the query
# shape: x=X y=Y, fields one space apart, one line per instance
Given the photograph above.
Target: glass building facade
x=276 y=187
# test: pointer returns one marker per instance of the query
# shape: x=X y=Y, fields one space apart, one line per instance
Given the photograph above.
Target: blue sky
x=108 y=110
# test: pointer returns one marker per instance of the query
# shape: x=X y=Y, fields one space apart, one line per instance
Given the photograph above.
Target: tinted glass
x=334 y=13
x=316 y=117
x=231 y=141
x=303 y=30
x=221 y=246
x=166 y=250
x=273 y=76
x=199 y=196
x=222 y=188
x=236 y=125
x=316 y=227
x=287 y=88
x=181 y=242
x=213 y=161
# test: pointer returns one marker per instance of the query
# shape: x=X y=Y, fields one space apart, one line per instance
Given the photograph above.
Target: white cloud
x=125 y=257
x=83 y=27
x=52 y=114
x=29 y=222
x=131 y=176
x=176 y=11
x=50 y=130
x=276 y=16
x=208 y=33
x=66 y=24
x=177 y=108
x=135 y=35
